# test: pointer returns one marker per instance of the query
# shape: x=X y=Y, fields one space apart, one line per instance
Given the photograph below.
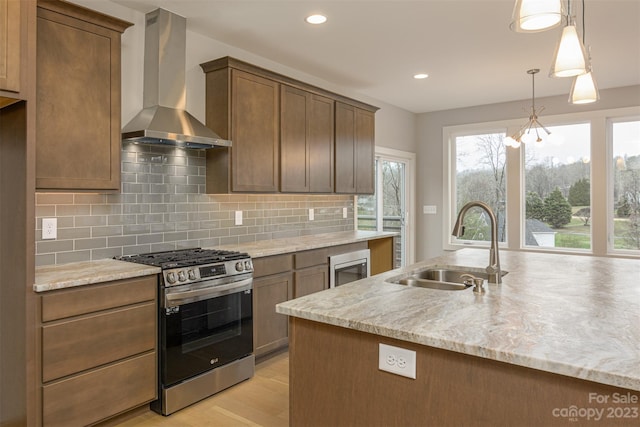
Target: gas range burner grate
x=184 y=257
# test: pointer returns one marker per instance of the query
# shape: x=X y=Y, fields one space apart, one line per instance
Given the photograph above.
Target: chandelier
x=530 y=131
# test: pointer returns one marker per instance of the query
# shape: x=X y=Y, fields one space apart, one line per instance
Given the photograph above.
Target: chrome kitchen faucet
x=493 y=269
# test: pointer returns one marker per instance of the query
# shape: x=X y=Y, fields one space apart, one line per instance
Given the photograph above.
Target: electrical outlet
x=396 y=360
x=49 y=228
x=344 y=213
x=238 y=217
x=311 y=215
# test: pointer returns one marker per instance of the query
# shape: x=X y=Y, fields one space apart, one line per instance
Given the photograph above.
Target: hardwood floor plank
x=262 y=401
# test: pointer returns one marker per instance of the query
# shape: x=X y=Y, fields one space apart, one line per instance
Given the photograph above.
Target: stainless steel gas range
x=205 y=323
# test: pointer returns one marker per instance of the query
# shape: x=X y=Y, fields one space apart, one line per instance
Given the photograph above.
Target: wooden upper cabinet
x=355 y=150
x=283 y=133
x=244 y=108
x=78 y=98
x=306 y=141
x=11 y=22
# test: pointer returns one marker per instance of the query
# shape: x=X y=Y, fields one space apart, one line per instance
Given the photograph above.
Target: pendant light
x=529 y=132
x=570 y=57
x=584 y=89
x=531 y=16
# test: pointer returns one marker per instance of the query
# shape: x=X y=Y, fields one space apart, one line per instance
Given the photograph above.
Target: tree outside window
x=558 y=188
x=481 y=175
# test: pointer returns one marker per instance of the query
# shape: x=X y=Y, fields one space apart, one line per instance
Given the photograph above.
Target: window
x=480 y=174
x=558 y=189
x=625 y=194
x=575 y=191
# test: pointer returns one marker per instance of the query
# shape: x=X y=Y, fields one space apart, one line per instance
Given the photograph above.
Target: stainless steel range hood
x=164 y=119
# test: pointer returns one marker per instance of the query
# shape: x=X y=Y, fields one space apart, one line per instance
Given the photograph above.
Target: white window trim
x=601 y=182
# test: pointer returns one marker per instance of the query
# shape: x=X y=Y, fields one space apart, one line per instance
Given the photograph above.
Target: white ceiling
x=375 y=47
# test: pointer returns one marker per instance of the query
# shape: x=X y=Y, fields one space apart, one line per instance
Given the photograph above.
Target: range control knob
x=247 y=265
x=192 y=275
x=171 y=278
x=182 y=276
x=239 y=266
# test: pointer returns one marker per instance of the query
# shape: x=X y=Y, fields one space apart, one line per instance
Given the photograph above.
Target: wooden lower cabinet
x=99 y=394
x=271 y=330
x=99 y=356
x=311 y=280
x=272 y=284
x=382 y=256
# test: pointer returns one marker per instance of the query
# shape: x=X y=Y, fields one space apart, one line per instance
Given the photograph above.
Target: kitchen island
x=558 y=341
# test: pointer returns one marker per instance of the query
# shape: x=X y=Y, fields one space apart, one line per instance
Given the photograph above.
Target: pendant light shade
x=584 y=89
x=531 y=16
x=570 y=58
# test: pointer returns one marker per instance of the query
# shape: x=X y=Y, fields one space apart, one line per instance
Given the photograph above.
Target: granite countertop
x=52 y=277
x=62 y=276
x=572 y=315
x=265 y=248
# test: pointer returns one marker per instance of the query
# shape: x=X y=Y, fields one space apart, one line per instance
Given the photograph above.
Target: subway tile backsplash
x=163 y=206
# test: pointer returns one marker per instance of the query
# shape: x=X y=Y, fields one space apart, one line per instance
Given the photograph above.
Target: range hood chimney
x=164 y=119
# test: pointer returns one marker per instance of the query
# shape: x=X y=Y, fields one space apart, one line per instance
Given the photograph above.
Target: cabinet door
x=270 y=329
x=365 y=152
x=294 y=146
x=306 y=142
x=10 y=45
x=255 y=133
x=355 y=150
x=320 y=136
x=311 y=280
x=78 y=99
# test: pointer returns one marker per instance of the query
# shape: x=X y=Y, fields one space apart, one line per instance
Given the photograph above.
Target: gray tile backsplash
x=163 y=206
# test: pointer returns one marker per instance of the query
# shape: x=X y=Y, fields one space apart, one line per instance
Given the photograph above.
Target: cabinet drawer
x=99 y=394
x=83 y=300
x=267 y=266
x=310 y=258
x=84 y=343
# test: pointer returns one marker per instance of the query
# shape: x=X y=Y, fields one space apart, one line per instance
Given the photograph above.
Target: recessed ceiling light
x=421 y=76
x=316 y=19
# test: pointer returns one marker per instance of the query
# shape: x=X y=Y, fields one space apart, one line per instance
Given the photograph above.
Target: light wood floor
x=260 y=401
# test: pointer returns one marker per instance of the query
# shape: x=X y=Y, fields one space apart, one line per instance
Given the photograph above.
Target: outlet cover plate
x=49 y=228
x=396 y=360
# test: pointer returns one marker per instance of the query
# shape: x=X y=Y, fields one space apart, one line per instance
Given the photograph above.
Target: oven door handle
x=183 y=297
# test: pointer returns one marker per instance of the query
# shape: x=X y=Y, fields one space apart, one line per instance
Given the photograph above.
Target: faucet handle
x=477 y=282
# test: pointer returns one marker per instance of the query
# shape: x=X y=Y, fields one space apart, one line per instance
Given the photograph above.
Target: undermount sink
x=442 y=278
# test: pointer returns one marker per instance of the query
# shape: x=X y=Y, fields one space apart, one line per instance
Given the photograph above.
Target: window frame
x=610 y=187
x=601 y=180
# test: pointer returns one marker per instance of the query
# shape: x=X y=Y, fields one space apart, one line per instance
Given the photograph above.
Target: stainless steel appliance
x=349 y=267
x=205 y=323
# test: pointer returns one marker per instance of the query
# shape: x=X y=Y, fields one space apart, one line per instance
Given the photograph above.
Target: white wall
x=430 y=149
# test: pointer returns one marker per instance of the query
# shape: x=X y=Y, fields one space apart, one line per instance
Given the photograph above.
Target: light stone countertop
x=263 y=248
x=572 y=315
x=62 y=276
x=52 y=277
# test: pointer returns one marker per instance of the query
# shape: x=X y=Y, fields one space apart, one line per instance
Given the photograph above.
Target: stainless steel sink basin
x=432 y=284
x=442 y=278
x=447 y=275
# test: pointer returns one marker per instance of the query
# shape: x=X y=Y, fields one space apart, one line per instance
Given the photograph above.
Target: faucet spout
x=493 y=269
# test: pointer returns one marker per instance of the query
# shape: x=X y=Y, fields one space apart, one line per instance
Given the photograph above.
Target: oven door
x=204 y=328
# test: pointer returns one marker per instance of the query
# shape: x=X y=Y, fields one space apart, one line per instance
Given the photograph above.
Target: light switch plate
x=344 y=213
x=238 y=217
x=311 y=215
x=429 y=209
